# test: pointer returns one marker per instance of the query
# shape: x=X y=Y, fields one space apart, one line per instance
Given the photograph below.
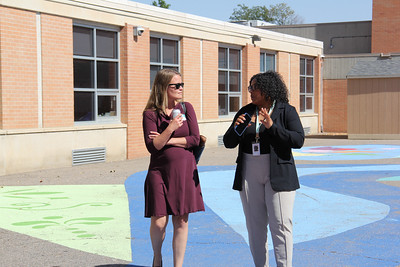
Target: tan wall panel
x=373 y=107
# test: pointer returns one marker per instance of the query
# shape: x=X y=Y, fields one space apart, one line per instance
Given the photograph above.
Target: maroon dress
x=172 y=184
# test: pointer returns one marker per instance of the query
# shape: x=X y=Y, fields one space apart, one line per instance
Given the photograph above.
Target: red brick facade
x=57 y=71
x=19 y=94
x=385 y=26
x=335 y=106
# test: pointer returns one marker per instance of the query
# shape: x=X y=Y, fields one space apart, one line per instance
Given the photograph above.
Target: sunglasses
x=177 y=85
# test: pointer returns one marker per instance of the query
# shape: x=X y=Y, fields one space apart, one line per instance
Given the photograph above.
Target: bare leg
x=157 y=235
x=180 y=238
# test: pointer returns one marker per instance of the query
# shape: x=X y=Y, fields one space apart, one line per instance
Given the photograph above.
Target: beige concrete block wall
x=29 y=150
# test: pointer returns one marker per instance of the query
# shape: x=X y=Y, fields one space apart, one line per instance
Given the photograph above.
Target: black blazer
x=286 y=133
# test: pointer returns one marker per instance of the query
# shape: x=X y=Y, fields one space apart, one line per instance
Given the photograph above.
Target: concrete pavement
x=347 y=212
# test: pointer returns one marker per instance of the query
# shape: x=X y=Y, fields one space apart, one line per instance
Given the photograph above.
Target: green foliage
x=280 y=14
x=161 y=3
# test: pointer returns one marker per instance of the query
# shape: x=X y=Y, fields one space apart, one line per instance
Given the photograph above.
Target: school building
x=75 y=76
x=361 y=72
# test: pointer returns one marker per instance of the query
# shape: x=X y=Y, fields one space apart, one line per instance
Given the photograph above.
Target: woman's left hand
x=267 y=121
x=153 y=134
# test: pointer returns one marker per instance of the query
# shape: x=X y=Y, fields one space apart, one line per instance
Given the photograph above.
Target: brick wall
x=335 y=106
x=18 y=65
x=250 y=67
x=135 y=89
x=385 y=26
x=191 y=72
x=57 y=71
x=210 y=80
x=294 y=83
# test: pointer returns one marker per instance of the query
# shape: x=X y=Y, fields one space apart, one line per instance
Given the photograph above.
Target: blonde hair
x=158 y=99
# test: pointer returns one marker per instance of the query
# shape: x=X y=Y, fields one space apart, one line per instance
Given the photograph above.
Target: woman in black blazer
x=266 y=173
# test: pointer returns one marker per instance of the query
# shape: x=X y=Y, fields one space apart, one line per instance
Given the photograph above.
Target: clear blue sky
x=312 y=11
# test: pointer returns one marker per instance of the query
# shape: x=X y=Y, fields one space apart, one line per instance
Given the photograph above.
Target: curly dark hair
x=271 y=85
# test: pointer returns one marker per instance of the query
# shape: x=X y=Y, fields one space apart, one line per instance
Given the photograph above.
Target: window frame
x=101 y=91
x=305 y=76
x=228 y=70
x=161 y=64
x=266 y=52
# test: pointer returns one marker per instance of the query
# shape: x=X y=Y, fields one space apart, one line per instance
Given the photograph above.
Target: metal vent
x=220 y=140
x=88 y=155
x=307 y=130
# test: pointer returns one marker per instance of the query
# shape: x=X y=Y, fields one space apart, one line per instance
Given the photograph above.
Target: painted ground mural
x=340 y=208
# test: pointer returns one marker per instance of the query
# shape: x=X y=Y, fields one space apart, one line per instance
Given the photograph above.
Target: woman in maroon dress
x=172 y=183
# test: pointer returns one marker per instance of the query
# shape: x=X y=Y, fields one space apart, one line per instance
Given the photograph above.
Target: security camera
x=138 y=31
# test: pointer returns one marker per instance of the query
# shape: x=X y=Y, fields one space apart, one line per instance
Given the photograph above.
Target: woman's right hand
x=176 y=123
x=241 y=119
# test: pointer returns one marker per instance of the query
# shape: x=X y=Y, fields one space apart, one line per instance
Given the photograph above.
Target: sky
x=312 y=11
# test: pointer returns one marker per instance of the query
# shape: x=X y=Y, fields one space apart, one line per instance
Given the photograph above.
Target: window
x=96 y=74
x=164 y=53
x=267 y=61
x=229 y=80
x=306 y=85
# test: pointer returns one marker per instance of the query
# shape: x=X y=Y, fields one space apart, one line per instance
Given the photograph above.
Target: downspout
x=321 y=94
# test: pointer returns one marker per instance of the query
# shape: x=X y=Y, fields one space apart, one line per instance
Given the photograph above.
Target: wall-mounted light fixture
x=255 y=38
x=138 y=31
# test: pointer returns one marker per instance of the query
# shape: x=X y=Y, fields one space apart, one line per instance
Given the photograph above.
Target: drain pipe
x=321 y=94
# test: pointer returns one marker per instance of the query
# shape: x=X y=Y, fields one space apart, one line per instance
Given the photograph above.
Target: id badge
x=256 y=148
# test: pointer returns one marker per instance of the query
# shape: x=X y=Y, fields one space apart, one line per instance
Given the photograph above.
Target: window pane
x=170 y=51
x=222 y=81
x=83 y=73
x=153 y=72
x=222 y=104
x=302 y=85
x=83 y=41
x=262 y=62
x=302 y=103
x=269 y=62
x=234 y=59
x=302 y=66
x=106 y=44
x=107 y=106
x=234 y=82
x=222 y=58
x=155 y=50
x=310 y=67
x=309 y=105
x=310 y=85
x=83 y=106
x=234 y=103
x=107 y=75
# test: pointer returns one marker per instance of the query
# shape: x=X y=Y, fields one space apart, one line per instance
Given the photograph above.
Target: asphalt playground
x=347 y=211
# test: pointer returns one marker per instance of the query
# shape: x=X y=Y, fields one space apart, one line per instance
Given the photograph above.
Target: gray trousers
x=263 y=206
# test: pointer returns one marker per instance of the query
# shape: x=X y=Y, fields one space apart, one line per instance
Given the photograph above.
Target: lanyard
x=258 y=124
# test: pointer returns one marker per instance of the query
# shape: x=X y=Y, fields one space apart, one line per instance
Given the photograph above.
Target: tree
x=280 y=14
x=161 y=3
